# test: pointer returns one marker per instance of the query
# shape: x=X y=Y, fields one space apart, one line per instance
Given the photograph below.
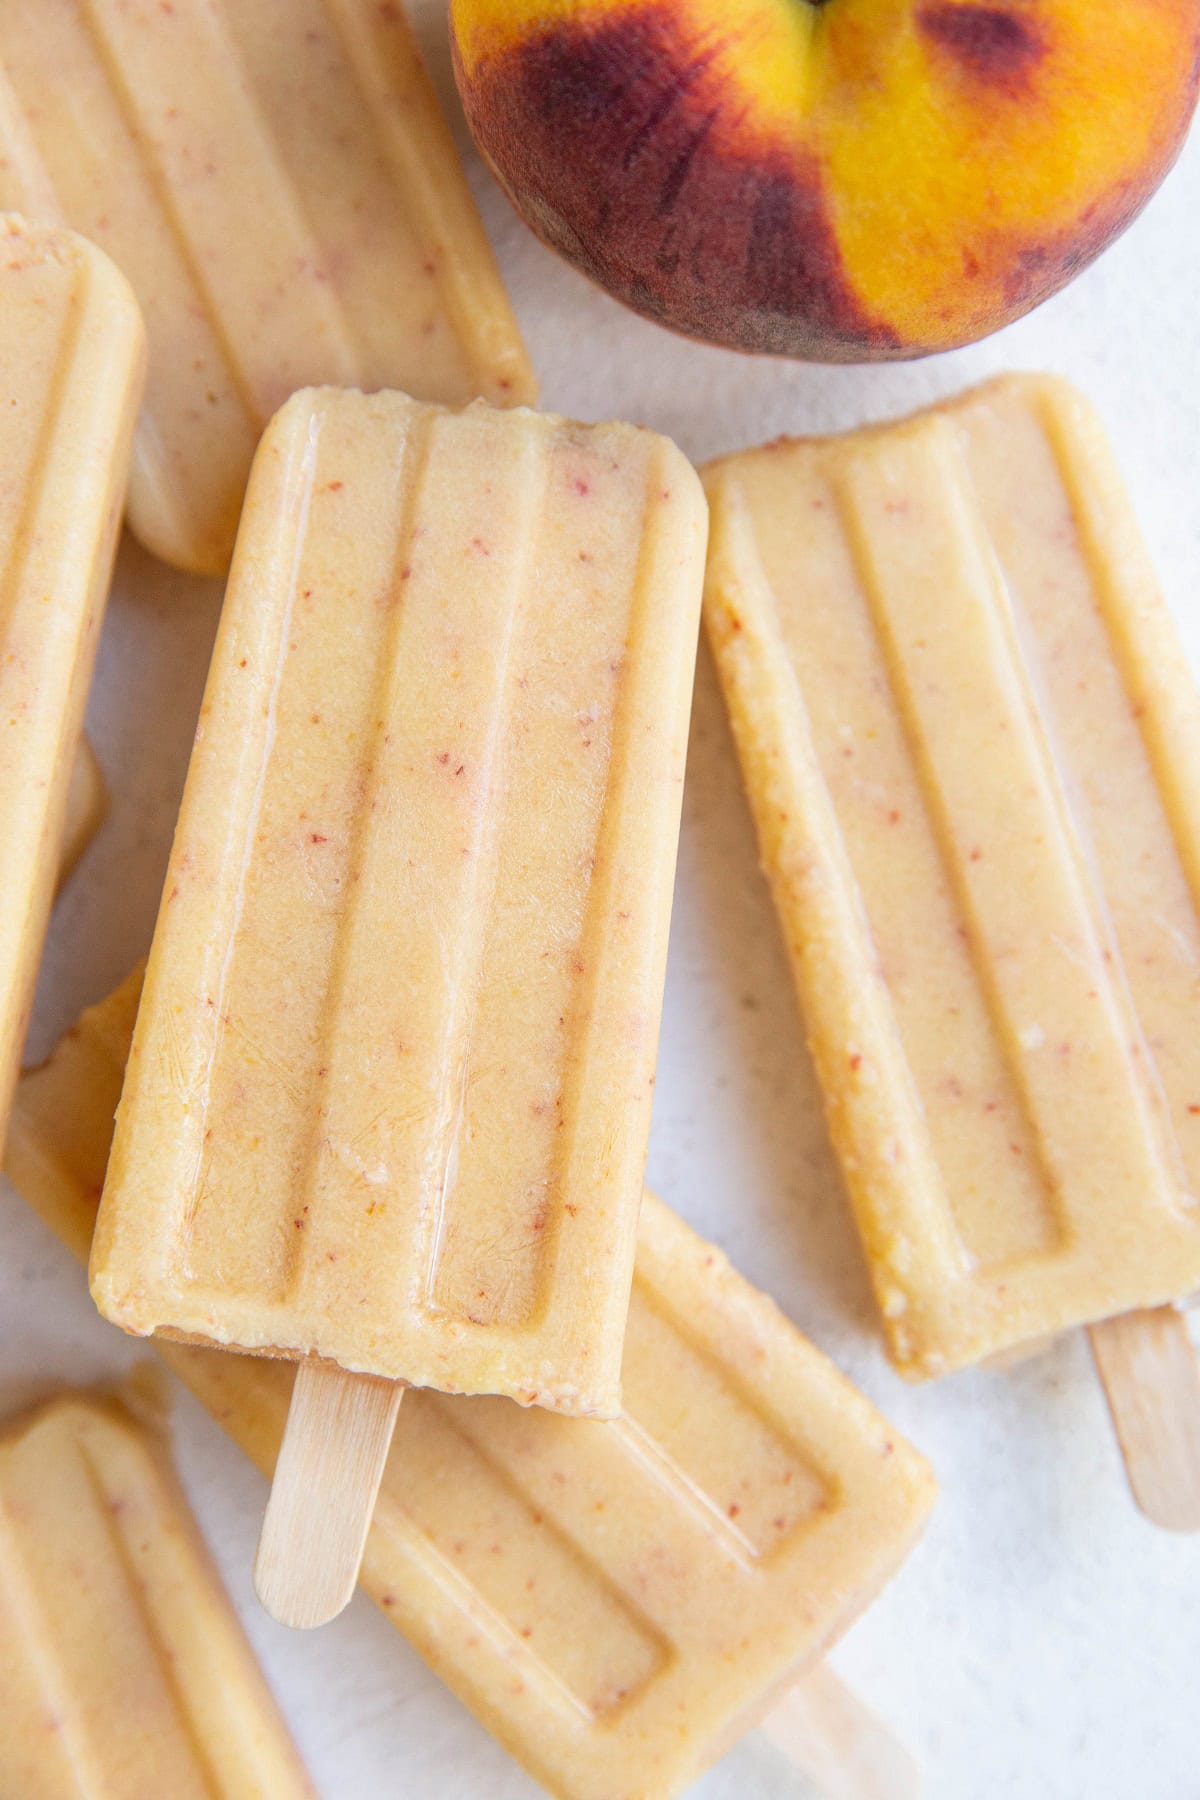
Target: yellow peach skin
x=853 y=180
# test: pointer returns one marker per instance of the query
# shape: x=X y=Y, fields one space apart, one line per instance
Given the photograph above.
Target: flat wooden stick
x=335 y=1443
x=827 y=1733
x=87 y=804
x=1151 y=1375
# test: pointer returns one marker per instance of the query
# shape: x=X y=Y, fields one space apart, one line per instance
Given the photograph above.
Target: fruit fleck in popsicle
x=616 y=1602
x=972 y=745
x=70 y=376
x=278 y=183
x=390 y=1089
x=124 y=1672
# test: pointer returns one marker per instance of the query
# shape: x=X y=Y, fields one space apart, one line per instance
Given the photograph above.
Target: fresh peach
x=843 y=181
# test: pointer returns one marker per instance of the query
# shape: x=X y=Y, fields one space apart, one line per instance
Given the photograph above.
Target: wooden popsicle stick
x=827 y=1733
x=335 y=1443
x=1151 y=1376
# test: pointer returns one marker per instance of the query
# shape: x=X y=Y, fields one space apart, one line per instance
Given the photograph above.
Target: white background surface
x=1044 y=1641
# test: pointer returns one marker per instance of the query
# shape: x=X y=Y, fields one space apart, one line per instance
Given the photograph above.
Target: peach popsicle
x=615 y=1602
x=390 y=1088
x=70 y=374
x=278 y=183
x=124 y=1671
x=971 y=745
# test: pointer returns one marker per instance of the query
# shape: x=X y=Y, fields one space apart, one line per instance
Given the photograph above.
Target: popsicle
x=972 y=745
x=616 y=1602
x=87 y=804
x=390 y=1088
x=70 y=372
x=277 y=181
x=125 y=1673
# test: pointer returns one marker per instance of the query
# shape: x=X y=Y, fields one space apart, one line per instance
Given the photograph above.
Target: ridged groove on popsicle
x=816 y=894
x=595 y=1670
x=638 y=721
x=71 y=382
x=895 y=768
x=385 y=881
x=569 y=572
x=365 y=876
x=1088 y=1209
x=763 y=1485
x=94 y=1540
x=706 y=1634
x=211 y=142
x=34 y=1681
x=22 y=172
x=37 y=396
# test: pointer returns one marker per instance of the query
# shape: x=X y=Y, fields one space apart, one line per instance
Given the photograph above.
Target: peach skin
x=843 y=181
